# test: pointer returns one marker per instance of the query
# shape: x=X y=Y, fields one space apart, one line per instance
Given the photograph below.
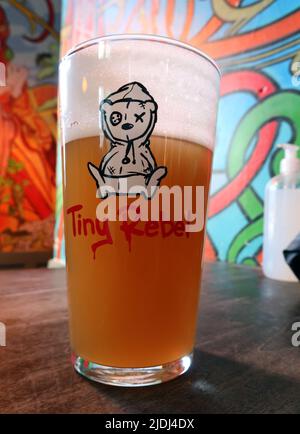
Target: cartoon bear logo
x=128 y=117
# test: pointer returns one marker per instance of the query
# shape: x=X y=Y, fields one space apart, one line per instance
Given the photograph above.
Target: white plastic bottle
x=282 y=215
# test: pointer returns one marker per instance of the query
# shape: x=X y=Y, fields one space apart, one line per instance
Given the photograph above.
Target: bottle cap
x=290 y=164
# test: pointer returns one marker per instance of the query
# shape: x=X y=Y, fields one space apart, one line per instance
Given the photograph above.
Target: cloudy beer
x=133 y=285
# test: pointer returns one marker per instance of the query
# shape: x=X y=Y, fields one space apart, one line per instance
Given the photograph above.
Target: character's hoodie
x=130 y=92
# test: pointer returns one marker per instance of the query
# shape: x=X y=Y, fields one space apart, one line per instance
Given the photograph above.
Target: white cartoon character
x=128 y=117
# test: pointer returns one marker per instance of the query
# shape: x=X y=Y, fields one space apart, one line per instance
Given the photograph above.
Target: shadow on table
x=214 y=385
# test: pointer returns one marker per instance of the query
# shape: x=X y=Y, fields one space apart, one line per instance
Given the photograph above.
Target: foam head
x=161 y=87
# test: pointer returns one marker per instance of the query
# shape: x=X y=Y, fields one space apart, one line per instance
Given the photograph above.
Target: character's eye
x=115 y=118
x=139 y=117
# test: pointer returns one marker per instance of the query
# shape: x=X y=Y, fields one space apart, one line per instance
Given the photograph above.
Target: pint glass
x=138 y=116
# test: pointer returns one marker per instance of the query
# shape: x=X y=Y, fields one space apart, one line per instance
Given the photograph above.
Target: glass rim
x=140 y=37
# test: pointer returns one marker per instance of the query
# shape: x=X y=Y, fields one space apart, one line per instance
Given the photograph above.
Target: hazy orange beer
x=138 y=116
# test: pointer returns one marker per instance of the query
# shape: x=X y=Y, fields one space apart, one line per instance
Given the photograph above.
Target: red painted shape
x=33 y=195
x=45 y=33
x=261 y=86
x=256 y=39
x=209 y=249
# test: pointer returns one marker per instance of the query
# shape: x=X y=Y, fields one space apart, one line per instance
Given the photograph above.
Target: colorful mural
x=29 y=49
x=257 y=45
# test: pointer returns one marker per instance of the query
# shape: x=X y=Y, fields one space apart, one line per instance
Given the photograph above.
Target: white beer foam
x=184 y=84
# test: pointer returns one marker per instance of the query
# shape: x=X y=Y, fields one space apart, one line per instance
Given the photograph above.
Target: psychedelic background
x=29 y=48
x=257 y=45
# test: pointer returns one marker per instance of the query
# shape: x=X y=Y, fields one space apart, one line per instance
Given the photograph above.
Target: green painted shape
x=59 y=202
x=249 y=261
x=275 y=163
x=246 y=235
x=251 y=204
x=283 y=105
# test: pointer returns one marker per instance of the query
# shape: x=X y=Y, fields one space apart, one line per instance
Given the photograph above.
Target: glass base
x=132 y=377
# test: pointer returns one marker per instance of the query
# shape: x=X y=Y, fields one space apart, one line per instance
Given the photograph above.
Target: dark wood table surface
x=244 y=359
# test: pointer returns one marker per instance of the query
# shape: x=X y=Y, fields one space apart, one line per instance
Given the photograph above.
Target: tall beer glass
x=138 y=117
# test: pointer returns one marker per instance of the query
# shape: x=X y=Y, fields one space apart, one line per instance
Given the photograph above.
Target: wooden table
x=244 y=360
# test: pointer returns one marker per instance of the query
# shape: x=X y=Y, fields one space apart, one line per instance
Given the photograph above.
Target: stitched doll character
x=128 y=117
